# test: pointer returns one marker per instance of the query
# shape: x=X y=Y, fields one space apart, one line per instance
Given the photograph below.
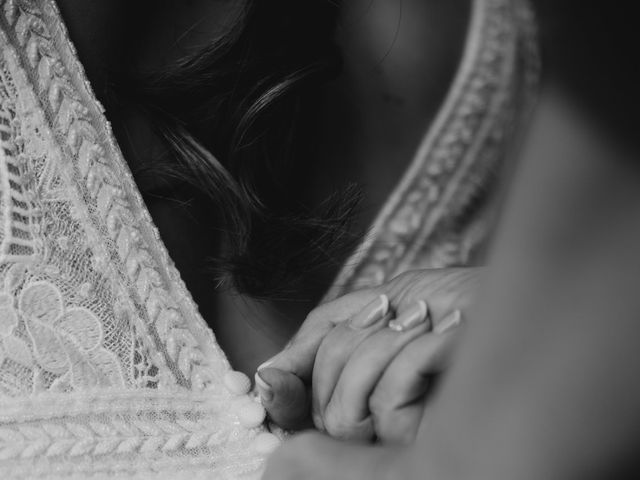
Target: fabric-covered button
x=251 y=414
x=266 y=443
x=237 y=383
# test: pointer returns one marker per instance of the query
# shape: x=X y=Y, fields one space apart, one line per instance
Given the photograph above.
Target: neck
x=399 y=61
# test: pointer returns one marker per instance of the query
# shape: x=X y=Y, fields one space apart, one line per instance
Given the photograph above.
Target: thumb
x=285 y=398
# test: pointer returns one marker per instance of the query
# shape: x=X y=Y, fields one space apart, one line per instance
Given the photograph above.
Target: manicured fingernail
x=449 y=322
x=412 y=317
x=265 y=364
x=371 y=313
x=264 y=389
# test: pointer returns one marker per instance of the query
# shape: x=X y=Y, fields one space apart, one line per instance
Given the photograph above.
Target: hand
x=283 y=381
x=371 y=377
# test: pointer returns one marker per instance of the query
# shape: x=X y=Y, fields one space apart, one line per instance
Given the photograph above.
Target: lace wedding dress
x=106 y=368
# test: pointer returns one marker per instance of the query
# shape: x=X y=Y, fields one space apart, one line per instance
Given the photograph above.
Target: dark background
x=591 y=49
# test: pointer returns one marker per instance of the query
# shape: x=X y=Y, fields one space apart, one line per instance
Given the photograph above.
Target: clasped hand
x=360 y=367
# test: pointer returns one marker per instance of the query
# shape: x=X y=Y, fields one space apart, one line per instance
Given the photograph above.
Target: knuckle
x=333 y=424
x=329 y=346
x=318 y=422
x=337 y=425
x=406 y=363
x=379 y=402
x=349 y=429
x=314 y=316
x=336 y=342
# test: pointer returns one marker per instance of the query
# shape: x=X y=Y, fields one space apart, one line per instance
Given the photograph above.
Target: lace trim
x=416 y=228
x=125 y=434
x=102 y=351
x=113 y=205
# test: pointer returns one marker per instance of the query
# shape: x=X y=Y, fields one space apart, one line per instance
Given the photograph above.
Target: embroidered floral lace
x=106 y=368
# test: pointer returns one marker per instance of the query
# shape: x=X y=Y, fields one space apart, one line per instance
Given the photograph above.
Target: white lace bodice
x=106 y=368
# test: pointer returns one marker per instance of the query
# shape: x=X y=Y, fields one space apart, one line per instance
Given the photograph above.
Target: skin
x=399 y=61
x=544 y=384
x=368 y=381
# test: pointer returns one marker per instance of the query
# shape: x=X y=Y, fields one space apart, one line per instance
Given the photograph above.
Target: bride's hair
x=231 y=114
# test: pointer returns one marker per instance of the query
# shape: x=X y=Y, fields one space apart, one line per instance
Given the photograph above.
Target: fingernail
x=371 y=313
x=265 y=364
x=413 y=317
x=449 y=322
x=264 y=389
